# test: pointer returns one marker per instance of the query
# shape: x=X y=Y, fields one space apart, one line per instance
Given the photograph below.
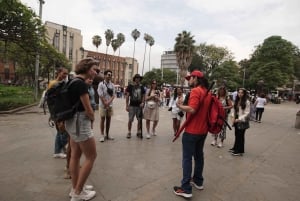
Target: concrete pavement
x=147 y=170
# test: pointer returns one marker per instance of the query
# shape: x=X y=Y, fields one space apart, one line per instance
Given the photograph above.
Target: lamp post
x=37 y=58
x=244 y=76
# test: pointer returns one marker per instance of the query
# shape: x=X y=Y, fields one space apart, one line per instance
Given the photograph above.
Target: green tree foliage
x=212 y=56
x=227 y=74
x=184 y=49
x=155 y=74
x=21 y=36
x=20 y=25
x=97 y=40
x=197 y=63
x=273 y=62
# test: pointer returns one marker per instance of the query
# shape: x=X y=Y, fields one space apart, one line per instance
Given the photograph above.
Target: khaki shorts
x=106 y=112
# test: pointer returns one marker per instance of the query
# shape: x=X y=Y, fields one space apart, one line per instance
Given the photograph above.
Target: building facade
x=66 y=40
x=121 y=67
x=168 y=61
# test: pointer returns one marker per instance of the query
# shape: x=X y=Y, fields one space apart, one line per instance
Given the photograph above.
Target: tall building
x=66 y=40
x=168 y=61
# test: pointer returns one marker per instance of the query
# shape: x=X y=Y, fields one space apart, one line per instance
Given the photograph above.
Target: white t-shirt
x=260 y=102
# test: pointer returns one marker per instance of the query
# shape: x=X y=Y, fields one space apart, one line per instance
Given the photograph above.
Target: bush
x=15 y=96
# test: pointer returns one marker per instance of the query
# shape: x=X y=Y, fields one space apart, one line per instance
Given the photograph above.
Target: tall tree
x=135 y=35
x=109 y=35
x=20 y=25
x=115 y=45
x=212 y=56
x=184 y=49
x=273 y=61
x=147 y=38
x=151 y=43
x=121 y=40
x=227 y=74
x=97 y=40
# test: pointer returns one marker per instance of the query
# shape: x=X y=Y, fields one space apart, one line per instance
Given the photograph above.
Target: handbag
x=151 y=104
x=243 y=125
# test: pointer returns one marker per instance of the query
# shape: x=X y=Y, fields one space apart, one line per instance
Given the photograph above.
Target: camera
x=180 y=113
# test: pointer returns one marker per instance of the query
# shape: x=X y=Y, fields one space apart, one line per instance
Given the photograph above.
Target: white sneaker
x=148 y=136
x=60 y=155
x=110 y=138
x=213 y=143
x=220 y=145
x=101 y=138
x=84 y=195
x=153 y=133
x=85 y=188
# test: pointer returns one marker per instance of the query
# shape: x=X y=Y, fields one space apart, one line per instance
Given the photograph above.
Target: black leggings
x=259 y=112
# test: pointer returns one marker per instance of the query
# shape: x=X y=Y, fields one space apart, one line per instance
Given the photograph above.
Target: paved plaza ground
x=147 y=170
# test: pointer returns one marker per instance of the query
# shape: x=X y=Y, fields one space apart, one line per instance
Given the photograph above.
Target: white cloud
x=239 y=25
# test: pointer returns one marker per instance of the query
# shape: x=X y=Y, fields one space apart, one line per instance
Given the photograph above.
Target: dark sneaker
x=197 y=186
x=231 y=150
x=179 y=191
x=139 y=135
x=237 y=154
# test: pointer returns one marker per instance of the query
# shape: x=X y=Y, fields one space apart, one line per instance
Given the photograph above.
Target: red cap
x=195 y=73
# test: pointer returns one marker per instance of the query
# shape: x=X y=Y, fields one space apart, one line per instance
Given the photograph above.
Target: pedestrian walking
x=135 y=100
x=260 y=103
x=194 y=136
x=106 y=92
x=240 y=120
x=79 y=128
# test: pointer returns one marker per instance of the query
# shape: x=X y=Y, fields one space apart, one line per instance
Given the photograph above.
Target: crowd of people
x=75 y=137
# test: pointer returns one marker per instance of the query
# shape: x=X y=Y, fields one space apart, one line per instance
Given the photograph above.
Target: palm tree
x=109 y=35
x=151 y=42
x=147 y=38
x=135 y=35
x=97 y=40
x=184 y=49
x=115 y=45
x=121 y=40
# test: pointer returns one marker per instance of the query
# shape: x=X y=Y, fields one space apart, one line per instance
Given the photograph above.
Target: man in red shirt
x=195 y=133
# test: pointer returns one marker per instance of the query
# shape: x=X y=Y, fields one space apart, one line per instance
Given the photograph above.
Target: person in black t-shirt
x=135 y=99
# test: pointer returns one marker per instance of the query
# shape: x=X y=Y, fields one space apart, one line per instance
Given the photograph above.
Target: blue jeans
x=192 y=146
x=61 y=141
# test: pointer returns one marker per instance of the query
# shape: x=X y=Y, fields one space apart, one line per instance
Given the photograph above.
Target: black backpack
x=59 y=101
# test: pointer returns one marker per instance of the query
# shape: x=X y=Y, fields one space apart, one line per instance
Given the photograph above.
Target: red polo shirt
x=198 y=100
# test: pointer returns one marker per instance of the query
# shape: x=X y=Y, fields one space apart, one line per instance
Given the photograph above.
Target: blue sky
x=239 y=25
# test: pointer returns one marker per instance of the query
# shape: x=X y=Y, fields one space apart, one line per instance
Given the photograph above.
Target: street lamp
x=37 y=58
x=244 y=76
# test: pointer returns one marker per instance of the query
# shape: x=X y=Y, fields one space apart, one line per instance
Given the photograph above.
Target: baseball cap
x=195 y=73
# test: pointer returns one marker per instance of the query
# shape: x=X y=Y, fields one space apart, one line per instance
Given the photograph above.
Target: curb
x=18 y=109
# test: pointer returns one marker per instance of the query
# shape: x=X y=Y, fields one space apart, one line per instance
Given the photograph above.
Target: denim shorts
x=135 y=111
x=79 y=127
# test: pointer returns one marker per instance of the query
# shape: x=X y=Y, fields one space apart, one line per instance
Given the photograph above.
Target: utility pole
x=37 y=58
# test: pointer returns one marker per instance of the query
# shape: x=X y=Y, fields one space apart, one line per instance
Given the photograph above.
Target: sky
x=238 y=25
